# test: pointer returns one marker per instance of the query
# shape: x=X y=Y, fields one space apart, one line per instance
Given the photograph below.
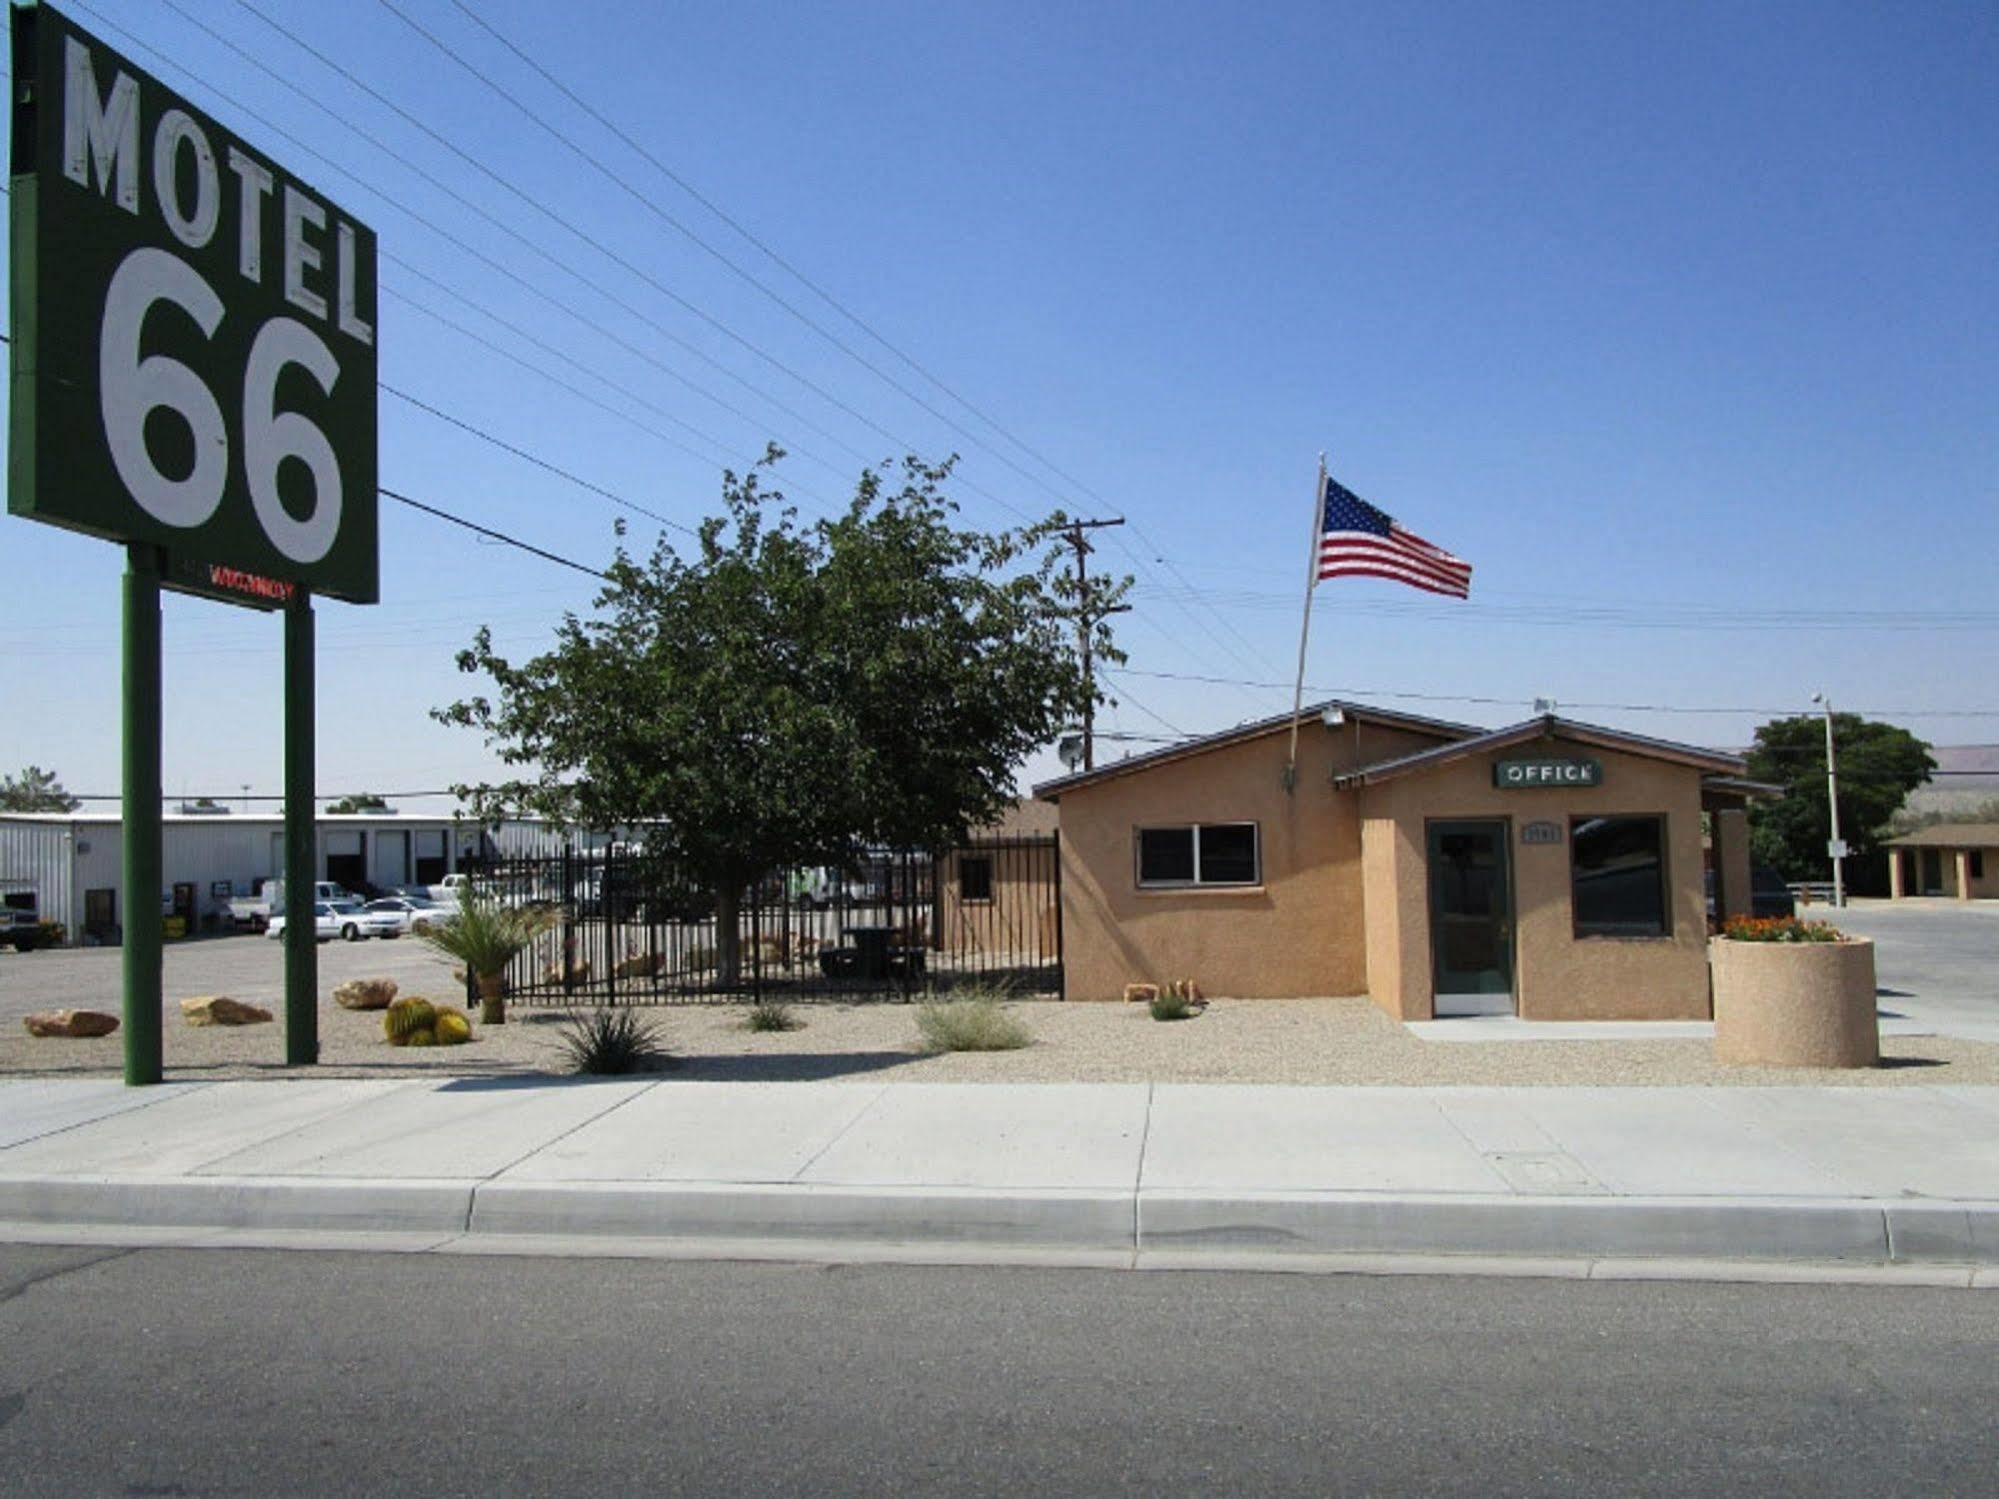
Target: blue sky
x=1680 y=322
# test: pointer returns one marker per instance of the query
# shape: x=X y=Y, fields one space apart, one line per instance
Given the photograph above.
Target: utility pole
x=1835 y=847
x=1087 y=619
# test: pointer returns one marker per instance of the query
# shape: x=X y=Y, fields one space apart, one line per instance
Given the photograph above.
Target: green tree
x=360 y=801
x=1879 y=765
x=788 y=693
x=35 y=790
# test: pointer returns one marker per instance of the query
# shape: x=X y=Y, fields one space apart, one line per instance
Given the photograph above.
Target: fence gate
x=632 y=928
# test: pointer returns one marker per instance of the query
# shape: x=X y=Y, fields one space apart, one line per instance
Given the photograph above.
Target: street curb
x=1549 y=1227
x=1036 y=1217
x=330 y=1204
x=1150 y=1226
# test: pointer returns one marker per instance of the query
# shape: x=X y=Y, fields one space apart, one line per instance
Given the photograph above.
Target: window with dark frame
x=1977 y=862
x=975 y=877
x=1617 y=869
x=1210 y=853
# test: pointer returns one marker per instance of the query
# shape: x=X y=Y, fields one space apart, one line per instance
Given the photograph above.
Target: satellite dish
x=1069 y=750
x=1333 y=715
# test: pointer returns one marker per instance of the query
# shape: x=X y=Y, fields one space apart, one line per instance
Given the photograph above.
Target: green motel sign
x=193 y=352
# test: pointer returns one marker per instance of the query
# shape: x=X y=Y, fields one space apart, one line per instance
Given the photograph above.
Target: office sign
x=1517 y=775
x=194 y=330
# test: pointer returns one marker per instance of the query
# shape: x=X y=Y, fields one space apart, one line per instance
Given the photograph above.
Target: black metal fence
x=631 y=928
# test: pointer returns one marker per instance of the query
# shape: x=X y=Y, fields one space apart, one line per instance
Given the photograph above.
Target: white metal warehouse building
x=72 y=859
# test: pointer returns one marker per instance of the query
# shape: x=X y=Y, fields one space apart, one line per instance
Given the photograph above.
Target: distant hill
x=1966 y=785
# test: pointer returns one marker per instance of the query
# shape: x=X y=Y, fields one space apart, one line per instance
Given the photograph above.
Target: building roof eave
x=1241 y=733
x=1547 y=726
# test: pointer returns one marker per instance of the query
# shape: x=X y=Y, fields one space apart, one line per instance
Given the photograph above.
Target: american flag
x=1358 y=541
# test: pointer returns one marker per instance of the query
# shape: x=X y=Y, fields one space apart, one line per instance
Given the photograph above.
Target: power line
x=1463 y=697
x=651 y=206
x=639 y=272
x=541 y=251
x=499 y=536
x=716 y=209
x=1643 y=617
x=532 y=246
x=523 y=454
x=615 y=257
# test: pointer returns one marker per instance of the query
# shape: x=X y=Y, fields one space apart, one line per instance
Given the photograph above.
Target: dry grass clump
x=975 y=1023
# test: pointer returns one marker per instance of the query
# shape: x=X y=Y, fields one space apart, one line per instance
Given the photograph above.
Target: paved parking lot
x=1936 y=961
x=246 y=967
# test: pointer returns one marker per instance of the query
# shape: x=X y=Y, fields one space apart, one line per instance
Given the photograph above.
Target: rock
x=639 y=965
x=219 y=1009
x=75 y=1024
x=364 y=994
x=576 y=973
x=1140 y=994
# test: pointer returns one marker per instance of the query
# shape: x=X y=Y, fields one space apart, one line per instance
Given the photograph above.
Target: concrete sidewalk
x=1560 y=1180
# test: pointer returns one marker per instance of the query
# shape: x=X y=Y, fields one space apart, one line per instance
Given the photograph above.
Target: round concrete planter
x=1795 y=1004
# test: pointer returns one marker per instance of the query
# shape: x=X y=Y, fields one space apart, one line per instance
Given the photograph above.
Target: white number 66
x=131 y=388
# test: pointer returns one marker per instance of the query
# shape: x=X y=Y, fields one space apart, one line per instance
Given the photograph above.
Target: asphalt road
x=243 y=1372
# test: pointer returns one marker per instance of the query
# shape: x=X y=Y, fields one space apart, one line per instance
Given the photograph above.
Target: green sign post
x=193 y=375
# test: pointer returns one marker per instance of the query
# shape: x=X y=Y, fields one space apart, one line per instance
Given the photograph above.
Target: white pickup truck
x=267 y=899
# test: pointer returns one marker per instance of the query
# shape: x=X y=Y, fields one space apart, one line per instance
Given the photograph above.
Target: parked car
x=1768 y=894
x=267 y=901
x=399 y=915
x=348 y=920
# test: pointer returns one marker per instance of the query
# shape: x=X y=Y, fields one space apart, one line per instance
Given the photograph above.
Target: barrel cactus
x=422 y=1036
x=451 y=1027
x=405 y=1017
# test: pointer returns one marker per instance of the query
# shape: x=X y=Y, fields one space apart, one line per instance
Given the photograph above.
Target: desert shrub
x=772 y=1015
x=1779 y=929
x=611 y=1043
x=971 y=1024
x=1171 y=1004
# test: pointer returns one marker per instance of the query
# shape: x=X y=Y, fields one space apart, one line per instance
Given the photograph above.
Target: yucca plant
x=772 y=1015
x=611 y=1043
x=486 y=935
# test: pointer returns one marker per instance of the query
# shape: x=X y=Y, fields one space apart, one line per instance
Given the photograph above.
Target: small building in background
x=1958 y=859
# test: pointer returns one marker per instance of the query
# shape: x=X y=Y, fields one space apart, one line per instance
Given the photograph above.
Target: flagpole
x=1305 y=627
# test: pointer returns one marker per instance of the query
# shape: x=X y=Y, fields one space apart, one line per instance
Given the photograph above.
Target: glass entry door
x=1471 y=918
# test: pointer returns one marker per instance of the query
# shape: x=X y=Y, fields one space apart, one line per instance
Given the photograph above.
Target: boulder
x=76 y=1024
x=639 y=965
x=364 y=994
x=1140 y=994
x=219 y=1009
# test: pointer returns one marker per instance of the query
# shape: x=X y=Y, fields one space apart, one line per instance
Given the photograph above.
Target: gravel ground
x=1338 y=1041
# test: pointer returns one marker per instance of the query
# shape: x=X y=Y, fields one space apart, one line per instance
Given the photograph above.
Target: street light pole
x=1835 y=848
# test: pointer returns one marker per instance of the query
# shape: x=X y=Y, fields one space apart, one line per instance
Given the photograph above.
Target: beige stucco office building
x=1551 y=869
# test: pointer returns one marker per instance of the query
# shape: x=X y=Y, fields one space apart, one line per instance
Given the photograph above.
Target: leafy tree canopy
x=35 y=790
x=790 y=692
x=1879 y=765
x=363 y=801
